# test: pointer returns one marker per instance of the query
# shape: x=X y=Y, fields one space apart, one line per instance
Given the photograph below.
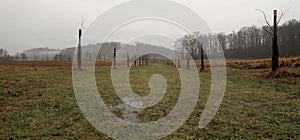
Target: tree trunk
x=135 y=60
x=202 y=59
x=79 y=51
x=275 y=53
x=127 y=60
x=115 y=53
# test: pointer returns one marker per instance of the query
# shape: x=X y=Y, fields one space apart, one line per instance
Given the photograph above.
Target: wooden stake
x=79 y=50
x=115 y=53
x=127 y=60
x=275 y=53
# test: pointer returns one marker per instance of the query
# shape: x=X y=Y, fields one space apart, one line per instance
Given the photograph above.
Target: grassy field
x=37 y=101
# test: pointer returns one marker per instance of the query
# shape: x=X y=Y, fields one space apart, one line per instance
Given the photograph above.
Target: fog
x=54 y=23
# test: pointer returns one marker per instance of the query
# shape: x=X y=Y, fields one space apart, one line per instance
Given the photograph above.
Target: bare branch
x=282 y=14
x=265 y=18
x=81 y=23
x=266 y=30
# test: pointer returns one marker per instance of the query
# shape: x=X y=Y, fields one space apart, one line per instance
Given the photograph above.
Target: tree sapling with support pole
x=79 y=50
x=79 y=43
x=115 y=54
x=273 y=32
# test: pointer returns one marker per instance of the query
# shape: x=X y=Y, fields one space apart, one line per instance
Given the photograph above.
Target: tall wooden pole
x=79 y=50
x=127 y=60
x=275 y=53
x=135 y=60
x=202 y=58
x=115 y=53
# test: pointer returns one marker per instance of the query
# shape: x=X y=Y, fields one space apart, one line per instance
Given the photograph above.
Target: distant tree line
x=89 y=51
x=247 y=43
x=6 y=57
x=3 y=53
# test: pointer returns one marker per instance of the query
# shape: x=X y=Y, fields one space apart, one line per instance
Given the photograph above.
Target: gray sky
x=29 y=24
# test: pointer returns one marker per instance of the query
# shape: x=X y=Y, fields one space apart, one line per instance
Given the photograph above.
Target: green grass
x=41 y=104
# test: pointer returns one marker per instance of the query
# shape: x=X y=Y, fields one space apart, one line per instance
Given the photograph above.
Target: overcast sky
x=29 y=24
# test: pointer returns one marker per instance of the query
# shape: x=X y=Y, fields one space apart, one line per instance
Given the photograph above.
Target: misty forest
x=247 y=43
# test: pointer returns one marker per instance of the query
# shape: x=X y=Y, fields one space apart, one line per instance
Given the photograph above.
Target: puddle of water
x=129 y=113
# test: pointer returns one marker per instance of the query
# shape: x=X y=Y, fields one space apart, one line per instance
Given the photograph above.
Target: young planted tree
x=135 y=60
x=273 y=32
x=275 y=53
x=79 y=50
x=200 y=51
x=202 y=58
x=79 y=43
x=191 y=43
x=115 y=55
x=127 y=60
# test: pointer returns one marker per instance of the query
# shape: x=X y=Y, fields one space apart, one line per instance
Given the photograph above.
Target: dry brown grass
x=280 y=74
x=34 y=65
x=44 y=65
x=291 y=62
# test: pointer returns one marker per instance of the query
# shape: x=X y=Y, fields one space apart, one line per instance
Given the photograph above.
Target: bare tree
x=222 y=40
x=273 y=32
x=79 y=42
x=193 y=44
x=1 y=52
x=5 y=53
x=202 y=59
x=199 y=46
x=23 y=56
x=114 y=55
x=79 y=50
x=127 y=59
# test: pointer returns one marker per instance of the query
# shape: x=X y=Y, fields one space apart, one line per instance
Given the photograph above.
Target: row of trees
x=3 y=52
x=255 y=42
x=247 y=43
x=6 y=57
